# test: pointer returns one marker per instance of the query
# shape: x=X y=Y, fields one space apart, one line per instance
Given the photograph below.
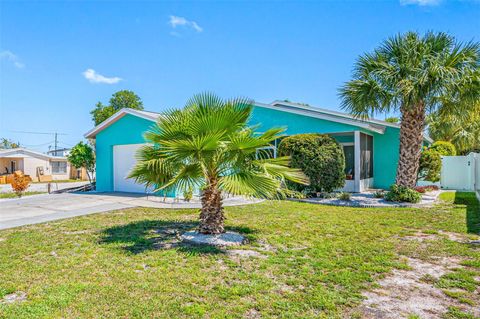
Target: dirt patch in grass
x=244 y=253
x=417 y=291
x=18 y=296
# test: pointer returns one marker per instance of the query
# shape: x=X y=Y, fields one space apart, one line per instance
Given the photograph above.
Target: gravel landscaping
x=367 y=199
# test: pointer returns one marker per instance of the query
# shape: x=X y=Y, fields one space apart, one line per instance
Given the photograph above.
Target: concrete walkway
x=47 y=207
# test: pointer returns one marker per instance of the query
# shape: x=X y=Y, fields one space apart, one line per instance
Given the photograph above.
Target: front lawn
x=311 y=261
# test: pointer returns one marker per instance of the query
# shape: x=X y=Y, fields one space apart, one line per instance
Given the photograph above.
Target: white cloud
x=181 y=21
x=420 y=2
x=9 y=56
x=94 y=77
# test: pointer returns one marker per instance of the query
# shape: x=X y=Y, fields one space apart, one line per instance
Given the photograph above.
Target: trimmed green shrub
x=399 y=193
x=320 y=157
x=430 y=165
x=444 y=148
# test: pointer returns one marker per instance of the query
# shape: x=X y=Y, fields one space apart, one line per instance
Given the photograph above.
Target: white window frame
x=58 y=172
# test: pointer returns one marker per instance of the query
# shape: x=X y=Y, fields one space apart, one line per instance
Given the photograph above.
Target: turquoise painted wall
x=127 y=130
x=385 y=157
x=130 y=129
x=385 y=146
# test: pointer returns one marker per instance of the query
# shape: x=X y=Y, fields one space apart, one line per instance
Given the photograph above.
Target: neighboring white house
x=33 y=164
x=59 y=152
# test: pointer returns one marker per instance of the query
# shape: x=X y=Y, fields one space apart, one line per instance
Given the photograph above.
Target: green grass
x=318 y=261
x=13 y=195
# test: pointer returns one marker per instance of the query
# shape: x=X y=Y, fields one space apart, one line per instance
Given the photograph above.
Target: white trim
x=347 y=144
x=356 y=165
x=315 y=113
x=344 y=115
x=13 y=151
x=151 y=116
x=335 y=113
x=372 y=125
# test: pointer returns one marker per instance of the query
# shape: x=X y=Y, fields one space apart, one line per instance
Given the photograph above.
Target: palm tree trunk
x=411 y=140
x=211 y=215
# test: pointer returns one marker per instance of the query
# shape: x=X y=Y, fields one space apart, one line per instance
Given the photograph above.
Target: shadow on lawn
x=141 y=236
x=473 y=210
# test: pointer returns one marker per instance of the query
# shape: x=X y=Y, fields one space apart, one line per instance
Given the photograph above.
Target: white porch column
x=356 y=145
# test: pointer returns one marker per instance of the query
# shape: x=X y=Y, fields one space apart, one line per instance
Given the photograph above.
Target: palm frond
x=209 y=140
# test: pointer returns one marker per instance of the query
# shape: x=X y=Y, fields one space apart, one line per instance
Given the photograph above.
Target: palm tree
x=462 y=129
x=414 y=75
x=209 y=146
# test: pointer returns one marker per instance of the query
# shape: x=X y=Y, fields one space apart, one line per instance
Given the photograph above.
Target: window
x=349 y=151
x=59 y=167
x=366 y=156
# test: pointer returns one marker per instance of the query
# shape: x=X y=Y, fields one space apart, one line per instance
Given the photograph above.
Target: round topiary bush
x=320 y=157
x=444 y=148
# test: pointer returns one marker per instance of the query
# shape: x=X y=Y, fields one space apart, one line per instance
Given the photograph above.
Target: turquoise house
x=371 y=146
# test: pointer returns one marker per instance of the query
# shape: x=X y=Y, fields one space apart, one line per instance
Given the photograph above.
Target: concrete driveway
x=42 y=208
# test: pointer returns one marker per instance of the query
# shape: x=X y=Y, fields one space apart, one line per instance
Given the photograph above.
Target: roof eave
x=115 y=117
x=22 y=150
x=306 y=111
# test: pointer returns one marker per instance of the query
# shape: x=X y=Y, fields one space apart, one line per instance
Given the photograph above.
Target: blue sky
x=57 y=59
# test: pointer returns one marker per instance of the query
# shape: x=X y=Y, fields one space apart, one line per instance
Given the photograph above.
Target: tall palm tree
x=208 y=145
x=415 y=75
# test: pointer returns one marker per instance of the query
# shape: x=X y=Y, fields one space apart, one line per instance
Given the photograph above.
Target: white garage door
x=123 y=162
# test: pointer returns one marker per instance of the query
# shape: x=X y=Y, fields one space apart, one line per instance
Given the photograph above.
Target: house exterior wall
x=130 y=129
x=385 y=146
x=127 y=130
x=31 y=164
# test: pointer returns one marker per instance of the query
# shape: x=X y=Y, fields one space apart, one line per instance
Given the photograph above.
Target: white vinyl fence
x=461 y=172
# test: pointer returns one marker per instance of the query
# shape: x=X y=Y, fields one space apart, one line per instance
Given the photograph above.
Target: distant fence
x=461 y=172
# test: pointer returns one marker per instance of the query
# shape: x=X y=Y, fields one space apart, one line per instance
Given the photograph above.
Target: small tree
x=208 y=145
x=320 y=157
x=82 y=155
x=20 y=183
x=5 y=143
x=431 y=160
x=119 y=100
